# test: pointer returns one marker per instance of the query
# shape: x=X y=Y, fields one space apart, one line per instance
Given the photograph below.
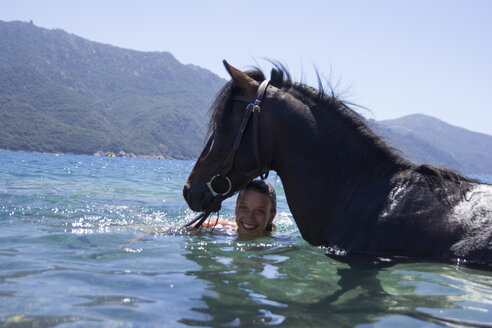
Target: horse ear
x=244 y=82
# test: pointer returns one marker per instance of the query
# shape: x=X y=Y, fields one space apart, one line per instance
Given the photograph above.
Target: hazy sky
x=393 y=57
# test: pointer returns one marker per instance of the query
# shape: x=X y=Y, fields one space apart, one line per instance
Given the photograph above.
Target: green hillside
x=62 y=93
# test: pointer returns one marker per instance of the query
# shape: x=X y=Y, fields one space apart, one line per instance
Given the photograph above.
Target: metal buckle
x=254 y=106
x=213 y=181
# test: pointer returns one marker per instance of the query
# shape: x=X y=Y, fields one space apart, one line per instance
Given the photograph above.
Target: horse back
x=436 y=214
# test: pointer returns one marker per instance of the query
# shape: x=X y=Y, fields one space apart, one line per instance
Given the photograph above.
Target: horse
x=346 y=188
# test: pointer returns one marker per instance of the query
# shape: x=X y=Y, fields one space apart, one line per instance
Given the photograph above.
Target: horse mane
x=281 y=79
x=328 y=100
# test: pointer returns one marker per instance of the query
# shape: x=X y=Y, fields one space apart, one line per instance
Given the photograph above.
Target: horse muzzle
x=200 y=198
x=194 y=198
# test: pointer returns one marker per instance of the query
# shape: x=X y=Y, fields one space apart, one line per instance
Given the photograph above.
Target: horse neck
x=328 y=165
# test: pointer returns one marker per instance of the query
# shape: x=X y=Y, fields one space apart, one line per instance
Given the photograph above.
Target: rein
x=220 y=185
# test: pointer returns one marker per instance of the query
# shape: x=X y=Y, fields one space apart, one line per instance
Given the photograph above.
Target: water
x=93 y=241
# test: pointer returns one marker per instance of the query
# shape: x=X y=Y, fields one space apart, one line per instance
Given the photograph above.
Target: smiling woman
x=256 y=207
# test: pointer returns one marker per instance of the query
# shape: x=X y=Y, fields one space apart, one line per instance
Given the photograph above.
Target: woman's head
x=256 y=207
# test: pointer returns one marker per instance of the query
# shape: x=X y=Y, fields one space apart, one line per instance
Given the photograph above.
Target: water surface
x=95 y=241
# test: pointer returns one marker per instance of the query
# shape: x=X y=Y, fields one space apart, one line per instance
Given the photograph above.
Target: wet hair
x=265 y=188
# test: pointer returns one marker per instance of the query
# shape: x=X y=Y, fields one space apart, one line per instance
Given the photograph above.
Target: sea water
x=97 y=242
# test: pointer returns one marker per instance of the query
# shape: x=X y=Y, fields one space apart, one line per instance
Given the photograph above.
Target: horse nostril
x=186 y=192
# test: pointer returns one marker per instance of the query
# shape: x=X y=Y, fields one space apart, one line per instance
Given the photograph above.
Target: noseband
x=220 y=185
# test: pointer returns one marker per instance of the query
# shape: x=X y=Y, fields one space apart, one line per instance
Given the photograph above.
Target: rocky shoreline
x=102 y=154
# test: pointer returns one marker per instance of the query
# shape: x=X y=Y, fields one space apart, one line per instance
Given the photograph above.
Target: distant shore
x=101 y=154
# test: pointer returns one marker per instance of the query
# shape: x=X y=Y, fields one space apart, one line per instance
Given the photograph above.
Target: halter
x=220 y=185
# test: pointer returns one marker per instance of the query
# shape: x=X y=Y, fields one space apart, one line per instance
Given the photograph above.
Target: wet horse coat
x=345 y=187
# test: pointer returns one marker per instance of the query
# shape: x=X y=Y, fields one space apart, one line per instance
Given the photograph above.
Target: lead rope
x=216 y=221
x=202 y=217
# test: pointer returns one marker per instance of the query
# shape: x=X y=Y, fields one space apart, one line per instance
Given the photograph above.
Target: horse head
x=233 y=154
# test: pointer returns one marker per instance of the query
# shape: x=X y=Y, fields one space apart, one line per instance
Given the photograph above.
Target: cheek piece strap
x=220 y=185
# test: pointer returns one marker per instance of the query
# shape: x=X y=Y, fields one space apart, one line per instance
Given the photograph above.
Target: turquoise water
x=96 y=242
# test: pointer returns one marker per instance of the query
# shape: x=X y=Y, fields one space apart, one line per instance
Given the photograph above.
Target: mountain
x=425 y=139
x=62 y=93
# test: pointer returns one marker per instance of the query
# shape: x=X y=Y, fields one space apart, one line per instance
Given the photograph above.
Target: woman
x=256 y=207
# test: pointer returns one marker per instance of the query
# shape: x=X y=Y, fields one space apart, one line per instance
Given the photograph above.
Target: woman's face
x=253 y=213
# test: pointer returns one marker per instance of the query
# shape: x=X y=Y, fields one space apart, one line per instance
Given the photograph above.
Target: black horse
x=345 y=187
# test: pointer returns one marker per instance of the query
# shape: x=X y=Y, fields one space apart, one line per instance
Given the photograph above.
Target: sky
x=394 y=58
